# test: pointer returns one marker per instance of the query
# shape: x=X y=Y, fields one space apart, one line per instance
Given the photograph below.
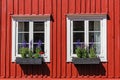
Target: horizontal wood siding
x=58 y=67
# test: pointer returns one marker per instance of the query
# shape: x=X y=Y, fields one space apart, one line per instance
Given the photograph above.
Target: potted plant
x=85 y=55
x=28 y=56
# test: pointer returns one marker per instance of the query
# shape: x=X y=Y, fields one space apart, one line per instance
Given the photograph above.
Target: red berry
x=41 y=52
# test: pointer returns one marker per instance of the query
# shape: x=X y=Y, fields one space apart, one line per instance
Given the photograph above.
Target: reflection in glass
x=23 y=26
x=78 y=25
x=97 y=47
x=94 y=25
x=38 y=26
x=23 y=37
x=38 y=36
x=78 y=36
x=94 y=36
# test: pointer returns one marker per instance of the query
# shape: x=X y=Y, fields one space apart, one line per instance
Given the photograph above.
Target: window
x=88 y=29
x=31 y=29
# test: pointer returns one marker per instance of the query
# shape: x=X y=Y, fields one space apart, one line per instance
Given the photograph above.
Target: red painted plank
x=59 y=38
x=93 y=6
x=83 y=7
x=41 y=6
x=69 y=70
x=72 y=6
x=54 y=38
x=83 y=4
x=15 y=7
x=28 y=7
x=21 y=6
x=47 y=6
x=117 y=38
x=78 y=6
x=18 y=71
x=59 y=49
x=8 y=41
x=74 y=71
x=61 y=79
x=98 y=6
x=3 y=39
x=88 y=6
x=111 y=40
x=35 y=6
x=64 y=12
x=0 y=34
x=104 y=6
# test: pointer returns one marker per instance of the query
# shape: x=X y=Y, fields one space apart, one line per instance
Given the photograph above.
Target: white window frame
x=86 y=18
x=31 y=19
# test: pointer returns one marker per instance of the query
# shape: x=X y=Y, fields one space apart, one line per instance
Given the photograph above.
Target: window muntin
x=94 y=33
x=28 y=34
x=25 y=28
x=86 y=31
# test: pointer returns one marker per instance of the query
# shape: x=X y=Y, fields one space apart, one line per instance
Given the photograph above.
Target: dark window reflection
x=38 y=36
x=23 y=26
x=78 y=25
x=38 y=26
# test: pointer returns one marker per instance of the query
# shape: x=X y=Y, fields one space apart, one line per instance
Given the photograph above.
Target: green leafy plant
x=36 y=55
x=28 y=53
x=24 y=52
x=92 y=53
x=83 y=52
x=78 y=51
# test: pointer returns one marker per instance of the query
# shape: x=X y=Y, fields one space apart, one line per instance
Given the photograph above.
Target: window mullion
x=86 y=34
x=31 y=34
x=87 y=37
x=71 y=28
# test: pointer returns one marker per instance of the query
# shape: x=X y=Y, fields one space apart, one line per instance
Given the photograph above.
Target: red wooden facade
x=58 y=67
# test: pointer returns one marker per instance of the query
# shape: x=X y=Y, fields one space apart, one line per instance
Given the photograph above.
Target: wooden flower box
x=85 y=60
x=20 y=60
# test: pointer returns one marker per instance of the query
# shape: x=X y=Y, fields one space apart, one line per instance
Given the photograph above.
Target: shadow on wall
x=91 y=70
x=36 y=69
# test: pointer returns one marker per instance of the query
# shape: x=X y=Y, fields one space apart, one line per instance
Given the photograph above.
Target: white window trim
x=86 y=17
x=46 y=19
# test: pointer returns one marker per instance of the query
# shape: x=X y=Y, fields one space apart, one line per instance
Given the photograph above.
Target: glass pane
x=97 y=47
x=94 y=25
x=94 y=36
x=23 y=37
x=78 y=25
x=78 y=36
x=38 y=36
x=23 y=26
x=38 y=26
x=20 y=46
x=35 y=45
